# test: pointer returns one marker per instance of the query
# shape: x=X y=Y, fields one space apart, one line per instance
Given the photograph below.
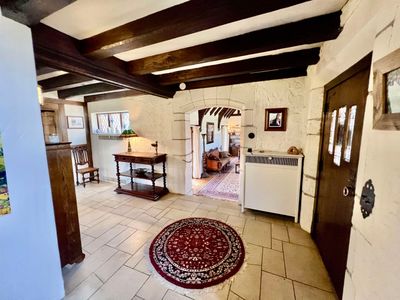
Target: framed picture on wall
x=75 y=122
x=210 y=133
x=4 y=198
x=387 y=92
x=275 y=119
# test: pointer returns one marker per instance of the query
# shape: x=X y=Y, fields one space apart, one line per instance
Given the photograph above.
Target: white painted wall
x=373 y=268
x=75 y=136
x=168 y=121
x=30 y=265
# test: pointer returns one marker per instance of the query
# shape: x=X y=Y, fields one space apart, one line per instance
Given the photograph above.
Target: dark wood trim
x=42 y=70
x=58 y=50
x=267 y=63
x=87 y=89
x=61 y=101
x=280 y=74
x=358 y=67
x=62 y=81
x=30 y=12
x=113 y=95
x=217 y=111
x=221 y=115
x=88 y=136
x=383 y=119
x=179 y=20
x=313 y=30
x=213 y=110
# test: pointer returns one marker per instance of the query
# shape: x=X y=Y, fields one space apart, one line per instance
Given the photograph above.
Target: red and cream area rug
x=223 y=186
x=197 y=253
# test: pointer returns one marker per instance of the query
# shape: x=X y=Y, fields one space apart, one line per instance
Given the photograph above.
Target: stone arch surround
x=188 y=101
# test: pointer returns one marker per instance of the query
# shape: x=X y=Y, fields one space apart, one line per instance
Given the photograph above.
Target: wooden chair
x=83 y=166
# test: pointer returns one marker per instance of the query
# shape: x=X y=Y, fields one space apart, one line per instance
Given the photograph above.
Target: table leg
x=164 y=175
x=118 y=179
x=153 y=181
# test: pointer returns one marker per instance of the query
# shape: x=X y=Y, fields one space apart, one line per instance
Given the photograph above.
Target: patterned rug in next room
x=223 y=186
x=196 y=253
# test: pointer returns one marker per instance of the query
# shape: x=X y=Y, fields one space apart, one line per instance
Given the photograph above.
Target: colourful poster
x=4 y=198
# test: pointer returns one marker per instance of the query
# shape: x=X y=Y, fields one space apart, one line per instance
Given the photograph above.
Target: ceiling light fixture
x=182 y=86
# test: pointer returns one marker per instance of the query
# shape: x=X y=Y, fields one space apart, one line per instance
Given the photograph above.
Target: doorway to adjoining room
x=216 y=152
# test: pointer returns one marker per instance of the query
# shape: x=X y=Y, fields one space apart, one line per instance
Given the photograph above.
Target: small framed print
x=387 y=92
x=75 y=122
x=275 y=119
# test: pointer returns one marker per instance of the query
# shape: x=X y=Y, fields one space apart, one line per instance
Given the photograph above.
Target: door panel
x=344 y=115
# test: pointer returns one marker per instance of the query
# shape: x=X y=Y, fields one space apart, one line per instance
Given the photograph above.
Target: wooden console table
x=147 y=191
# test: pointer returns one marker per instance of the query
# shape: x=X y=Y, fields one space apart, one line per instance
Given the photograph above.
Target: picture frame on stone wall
x=210 y=132
x=275 y=119
x=386 y=73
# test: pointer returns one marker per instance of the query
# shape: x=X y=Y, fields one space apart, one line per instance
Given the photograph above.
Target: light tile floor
x=282 y=260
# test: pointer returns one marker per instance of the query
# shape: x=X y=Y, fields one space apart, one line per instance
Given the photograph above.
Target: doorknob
x=348 y=191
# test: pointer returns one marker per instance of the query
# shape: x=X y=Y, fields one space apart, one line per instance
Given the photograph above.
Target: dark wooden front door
x=344 y=114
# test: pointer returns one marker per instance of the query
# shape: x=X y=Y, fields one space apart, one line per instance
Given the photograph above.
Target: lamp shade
x=128 y=133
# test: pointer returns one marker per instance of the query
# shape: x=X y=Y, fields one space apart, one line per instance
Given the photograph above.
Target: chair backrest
x=81 y=156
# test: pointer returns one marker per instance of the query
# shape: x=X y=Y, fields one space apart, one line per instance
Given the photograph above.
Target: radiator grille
x=272 y=160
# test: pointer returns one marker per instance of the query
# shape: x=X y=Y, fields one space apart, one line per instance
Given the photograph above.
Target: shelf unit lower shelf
x=142 y=190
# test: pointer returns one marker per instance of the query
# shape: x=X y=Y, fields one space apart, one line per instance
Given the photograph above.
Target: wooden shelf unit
x=147 y=191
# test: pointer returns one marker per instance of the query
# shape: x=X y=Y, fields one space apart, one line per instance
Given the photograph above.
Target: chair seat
x=87 y=170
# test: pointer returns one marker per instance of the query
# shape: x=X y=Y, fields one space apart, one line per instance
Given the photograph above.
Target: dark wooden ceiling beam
x=87 y=89
x=217 y=111
x=179 y=20
x=313 y=30
x=62 y=81
x=272 y=75
x=266 y=63
x=42 y=70
x=231 y=113
x=113 y=95
x=58 y=50
x=30 y=12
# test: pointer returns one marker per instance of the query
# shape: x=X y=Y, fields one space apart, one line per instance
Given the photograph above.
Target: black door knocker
x=367 y=200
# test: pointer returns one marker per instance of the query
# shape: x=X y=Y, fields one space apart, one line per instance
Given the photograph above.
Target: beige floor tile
x=300 y=237
x=257 y=233
x=236 y=221
x=279 y=232
x=134 y=242
x=79 y=272
x=217 y=216
x=277 y=245
x=171 y=295
x=104 y=238
x=112 y=265
x=221 y=294
x=152 y=289
x=86 y=289
x=143 y=222
x=136 y=258
x=200 y=213
x=306 y=292
x=273 y=262
x=118 y=239
x=143 y=266
x=185 y=205
x=254 y=254
x=305 y=265
x=209 y=207
x=230 y=211
x=176 y=214
x=124 y=284
x=105 y=225
x=247 y=284
x=153 y=212
x=233 y=296
x=276 y=288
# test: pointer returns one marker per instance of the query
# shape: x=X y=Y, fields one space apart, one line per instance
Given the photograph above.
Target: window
x=350 y=132
x=340 y=136
x=110 y=122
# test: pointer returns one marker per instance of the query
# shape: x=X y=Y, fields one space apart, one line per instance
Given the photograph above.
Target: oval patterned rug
x=196 y=253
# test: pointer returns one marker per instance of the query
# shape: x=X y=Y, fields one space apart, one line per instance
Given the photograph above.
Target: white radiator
x=272 y=183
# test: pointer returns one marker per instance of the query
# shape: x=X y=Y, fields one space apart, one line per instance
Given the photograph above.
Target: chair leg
x=98 y=177
x=83 y=179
